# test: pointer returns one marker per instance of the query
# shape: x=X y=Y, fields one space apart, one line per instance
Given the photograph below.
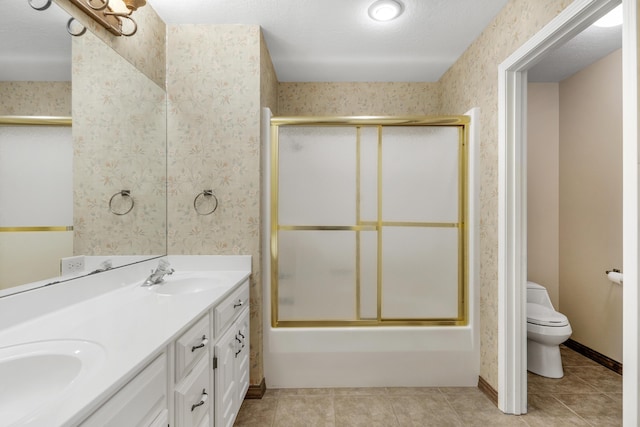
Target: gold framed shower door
x=461 y=123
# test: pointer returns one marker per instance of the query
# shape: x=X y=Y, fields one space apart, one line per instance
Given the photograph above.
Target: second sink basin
x=36 y=374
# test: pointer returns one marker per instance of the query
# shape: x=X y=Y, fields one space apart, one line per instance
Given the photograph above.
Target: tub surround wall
x=35 y=98
x=543 y=191
x=215 y=94
x=145 y=50
x=591 y=204
x=473 y=82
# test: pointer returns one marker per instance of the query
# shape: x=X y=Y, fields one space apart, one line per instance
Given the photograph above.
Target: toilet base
x=544 y=360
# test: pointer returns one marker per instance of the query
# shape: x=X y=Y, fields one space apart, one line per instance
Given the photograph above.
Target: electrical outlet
x=72 y=265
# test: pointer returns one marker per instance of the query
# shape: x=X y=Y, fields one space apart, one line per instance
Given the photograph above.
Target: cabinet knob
x=204 y=342
x=238 y=304
x=203 y=399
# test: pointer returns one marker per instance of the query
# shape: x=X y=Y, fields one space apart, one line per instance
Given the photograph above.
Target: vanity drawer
x=228 y=309
x=191 y=346
x=194 y=396
x=142 y=402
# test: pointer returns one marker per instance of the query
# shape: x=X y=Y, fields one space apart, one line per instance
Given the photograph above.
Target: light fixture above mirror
x=111 y=14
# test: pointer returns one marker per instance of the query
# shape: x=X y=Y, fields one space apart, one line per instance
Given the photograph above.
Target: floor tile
x=573 y=358
x=305 y=392
x=570 y=383
x=599 y=377
x=364 y=411
x=360 y=391
x=597 y=409
x=304 y=411
x=257 y=412
x=547 y=411
x=424 y=411
x=413 y=391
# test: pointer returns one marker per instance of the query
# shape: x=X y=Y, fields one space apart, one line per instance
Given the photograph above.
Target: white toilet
x=546 y=330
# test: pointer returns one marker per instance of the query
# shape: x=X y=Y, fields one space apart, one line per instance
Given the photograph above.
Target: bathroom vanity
x=110 y=352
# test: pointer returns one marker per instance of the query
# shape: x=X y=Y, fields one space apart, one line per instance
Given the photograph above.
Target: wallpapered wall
x=357 y=99
x=471 y=82
x=214 y=96
x=35 y=98
x=119 y=143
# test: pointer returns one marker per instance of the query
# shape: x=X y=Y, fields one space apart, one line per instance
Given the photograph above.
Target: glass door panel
x=317 y=176
x=317 y=275
x=420 y=174
x=420 y=273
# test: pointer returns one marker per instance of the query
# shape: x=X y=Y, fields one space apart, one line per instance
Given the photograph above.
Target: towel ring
x=125 y=194
x=205 y=194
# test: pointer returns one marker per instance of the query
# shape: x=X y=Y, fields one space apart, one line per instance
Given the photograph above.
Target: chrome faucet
x=156 y=277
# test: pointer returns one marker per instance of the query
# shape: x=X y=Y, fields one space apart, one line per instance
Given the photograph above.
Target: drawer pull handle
x=238 y=339
x=202 y=344
x=238 y=352
x=238 y=304
x=203 y=399
x=240 y=333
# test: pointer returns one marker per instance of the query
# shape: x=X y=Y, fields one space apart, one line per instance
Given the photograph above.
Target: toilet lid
x=544 y=316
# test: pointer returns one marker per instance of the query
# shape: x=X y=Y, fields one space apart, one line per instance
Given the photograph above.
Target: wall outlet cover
x=72 y=265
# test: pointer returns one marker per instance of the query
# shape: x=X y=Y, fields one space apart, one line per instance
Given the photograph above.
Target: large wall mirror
x=92 y=182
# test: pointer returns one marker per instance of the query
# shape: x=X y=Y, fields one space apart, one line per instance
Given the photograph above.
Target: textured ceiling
x=309 y=40
x=583 y=50
x=335 y=40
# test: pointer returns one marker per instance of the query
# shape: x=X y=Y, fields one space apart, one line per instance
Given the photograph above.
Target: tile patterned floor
x=588 y=395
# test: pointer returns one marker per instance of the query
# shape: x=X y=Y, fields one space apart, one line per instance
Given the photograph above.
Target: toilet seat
x=543 y=316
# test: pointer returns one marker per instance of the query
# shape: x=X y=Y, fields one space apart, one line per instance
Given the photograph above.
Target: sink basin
x=38 y=373
x=188 y=283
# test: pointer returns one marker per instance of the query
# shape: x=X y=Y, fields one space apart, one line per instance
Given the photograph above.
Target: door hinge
x=215 y=363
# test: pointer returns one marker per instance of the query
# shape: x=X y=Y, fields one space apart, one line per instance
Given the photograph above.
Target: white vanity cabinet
x=231 y=352
x=141 y=402
x=193 y=388
x=198 y=380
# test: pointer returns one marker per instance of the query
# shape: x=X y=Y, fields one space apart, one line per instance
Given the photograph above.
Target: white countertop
x=131 y=323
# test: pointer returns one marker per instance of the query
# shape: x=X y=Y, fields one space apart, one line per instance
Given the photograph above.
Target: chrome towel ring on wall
x=122 y=205
x=204 y=198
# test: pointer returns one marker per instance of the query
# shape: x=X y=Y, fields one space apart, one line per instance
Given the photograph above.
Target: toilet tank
x=537 y=294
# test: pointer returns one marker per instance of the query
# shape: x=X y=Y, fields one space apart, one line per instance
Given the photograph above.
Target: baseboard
x=489 y=391
x=256 y=391
x=594 y=355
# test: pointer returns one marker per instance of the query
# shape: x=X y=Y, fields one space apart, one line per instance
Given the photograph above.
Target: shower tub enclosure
x=371 y=276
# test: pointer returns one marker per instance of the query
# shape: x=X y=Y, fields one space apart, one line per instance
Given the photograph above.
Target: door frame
x=512 y=194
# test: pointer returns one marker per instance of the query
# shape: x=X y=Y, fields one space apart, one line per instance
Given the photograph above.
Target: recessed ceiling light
x=385 y=10
x=611 y=19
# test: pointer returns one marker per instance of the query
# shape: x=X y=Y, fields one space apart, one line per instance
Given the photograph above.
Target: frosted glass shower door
x=421 y=222
x=317 y=212
x=368 y=225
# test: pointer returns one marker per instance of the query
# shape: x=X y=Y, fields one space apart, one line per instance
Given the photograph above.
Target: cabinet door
x=192 y=396
x=139 y=403
x=242 y=359
x=226 y=385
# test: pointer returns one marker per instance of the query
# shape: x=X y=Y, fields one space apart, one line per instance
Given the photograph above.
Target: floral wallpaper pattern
x=145 y=49
x=119 y=144
x=35 y=98
x=357 y=99
x=214 y=89
x=473 y=82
